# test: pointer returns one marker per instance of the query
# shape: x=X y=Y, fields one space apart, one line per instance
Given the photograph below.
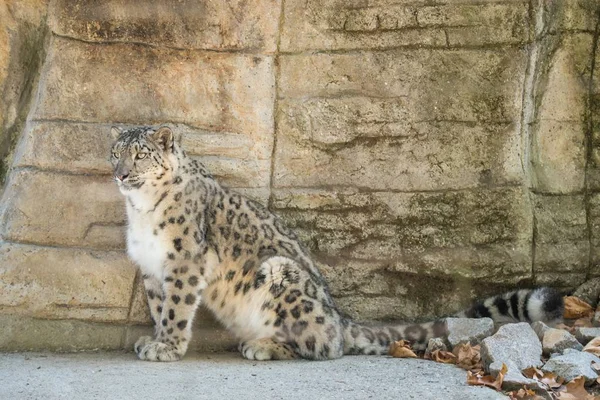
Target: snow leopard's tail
x=527 y=305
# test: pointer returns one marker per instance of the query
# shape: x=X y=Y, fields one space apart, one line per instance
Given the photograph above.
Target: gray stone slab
x=573 y=364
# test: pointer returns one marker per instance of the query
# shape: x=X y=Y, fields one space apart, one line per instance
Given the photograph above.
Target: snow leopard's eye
x=140 y=156
x=116 y=154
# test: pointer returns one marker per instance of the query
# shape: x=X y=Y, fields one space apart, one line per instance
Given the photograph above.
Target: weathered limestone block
x=594 y=221
x=477 y=24
x=558 y=154
x=334 y=25
x=128 y=83
x=72 y=147
x=65 y=283
x=571 y=15
x=22 y=333
x=339 y=124
x=593 y=170
x=22 y=53
x=561 y=280
x=70 y=210
x=405 y=156
x=456 y=85
x=218 y=25
x=411 y=255
x=561 y=243
x=235 y=160
x=386 y=225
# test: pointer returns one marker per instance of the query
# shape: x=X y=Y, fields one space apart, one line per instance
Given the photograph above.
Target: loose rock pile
x=531 y=361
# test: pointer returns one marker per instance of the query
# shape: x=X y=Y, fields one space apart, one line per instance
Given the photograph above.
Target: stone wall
x=427 y=152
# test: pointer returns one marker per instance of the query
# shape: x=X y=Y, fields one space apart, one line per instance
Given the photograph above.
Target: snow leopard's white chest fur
x=146 y=249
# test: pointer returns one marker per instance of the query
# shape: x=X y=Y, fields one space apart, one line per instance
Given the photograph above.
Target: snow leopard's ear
x=115 y=131
x=163 y=137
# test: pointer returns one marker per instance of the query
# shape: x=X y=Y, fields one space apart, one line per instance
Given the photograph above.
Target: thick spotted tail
x=527 y=305
x=376 y=339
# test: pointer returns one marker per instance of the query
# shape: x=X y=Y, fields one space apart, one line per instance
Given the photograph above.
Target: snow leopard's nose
x=122 y=177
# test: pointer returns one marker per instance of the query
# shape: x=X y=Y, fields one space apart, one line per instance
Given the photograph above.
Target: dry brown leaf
x=593 y=346
x=575 y=390
x=576 y=308
x=401 y=349
x=533 y=373
x=468 y=357
x=549 y=379
x=487 y=380
x=524 y=394
x=552 y=380
x=441 y=356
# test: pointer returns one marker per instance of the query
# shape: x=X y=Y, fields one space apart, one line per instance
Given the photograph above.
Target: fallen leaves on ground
x=401 y=349
x=576 y=308
x=549 y=379
x=593 y=347
x=524 y=394
x=479 y=379
x=468 y=357
x=575 y=390
x=442 y=356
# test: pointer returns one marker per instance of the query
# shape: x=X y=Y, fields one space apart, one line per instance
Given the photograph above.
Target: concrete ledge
x=228 y=376
x=30 y=334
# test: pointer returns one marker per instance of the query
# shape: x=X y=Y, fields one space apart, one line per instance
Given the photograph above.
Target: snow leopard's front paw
x=141 y=342
x=150 y=350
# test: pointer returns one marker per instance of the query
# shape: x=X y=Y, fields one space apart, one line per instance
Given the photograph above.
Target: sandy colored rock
x=22 y=53
x=424 y=233
x=558 y=152
x=59 y=283
x=333 y=25
x=229 y=92
x=21 y=333
x=213 y=25
x=77 y=210
x=558 y=340
x=561 y=243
